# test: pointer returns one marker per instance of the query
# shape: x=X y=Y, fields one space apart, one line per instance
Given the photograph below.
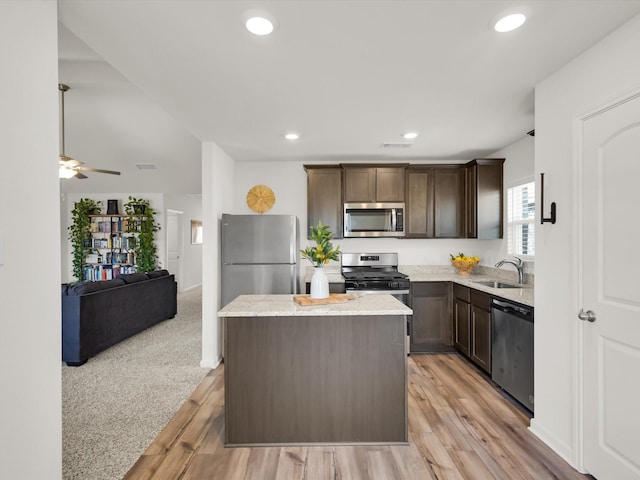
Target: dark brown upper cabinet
x=484 y=198
x=442 y=201
x=419 y=203
x=367 y=183
x=435 y=202
x=448 y=202
x=324 y=197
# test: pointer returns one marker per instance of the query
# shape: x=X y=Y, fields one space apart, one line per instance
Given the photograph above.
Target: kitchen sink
x=492 y=284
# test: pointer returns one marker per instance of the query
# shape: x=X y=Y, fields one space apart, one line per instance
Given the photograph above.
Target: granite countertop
x=445 y=273
x=283 y=305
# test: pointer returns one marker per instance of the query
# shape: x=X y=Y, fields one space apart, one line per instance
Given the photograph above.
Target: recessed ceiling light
x=259 y=25
x=292 y=136
x=409 y=135
x=510 y=22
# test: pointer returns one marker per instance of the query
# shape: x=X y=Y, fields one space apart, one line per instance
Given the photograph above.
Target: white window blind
x=521 y=213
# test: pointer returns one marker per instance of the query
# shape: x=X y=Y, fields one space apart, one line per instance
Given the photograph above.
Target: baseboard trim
x=561 y=448
x=198 y=285
x=210 y=363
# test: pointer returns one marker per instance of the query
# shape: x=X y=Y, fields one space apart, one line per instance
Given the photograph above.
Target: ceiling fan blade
x=70 y=162
x=98 y=170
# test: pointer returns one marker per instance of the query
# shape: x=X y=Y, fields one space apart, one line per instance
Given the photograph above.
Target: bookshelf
x=112 y=241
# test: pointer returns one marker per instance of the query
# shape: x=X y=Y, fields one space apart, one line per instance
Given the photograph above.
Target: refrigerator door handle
x=293 y=250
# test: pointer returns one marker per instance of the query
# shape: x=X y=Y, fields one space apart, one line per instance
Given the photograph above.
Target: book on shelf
x=96 y=273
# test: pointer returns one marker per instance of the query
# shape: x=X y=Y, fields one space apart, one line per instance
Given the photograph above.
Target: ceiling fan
x=70 y=167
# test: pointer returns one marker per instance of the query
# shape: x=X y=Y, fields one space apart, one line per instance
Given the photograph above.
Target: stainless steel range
x=374 y=273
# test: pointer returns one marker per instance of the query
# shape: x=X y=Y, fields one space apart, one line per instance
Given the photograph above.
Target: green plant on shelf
x=142 y=215
x=79 y=233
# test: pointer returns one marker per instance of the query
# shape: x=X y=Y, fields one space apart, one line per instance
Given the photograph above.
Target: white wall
x=217 y=188
x=606 y=71
x=519 y=168
x=67 y=202
x=191 y=208
x=30 y=351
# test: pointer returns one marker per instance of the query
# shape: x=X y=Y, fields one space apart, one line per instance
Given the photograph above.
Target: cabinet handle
x=473 y=332
x=455 y=321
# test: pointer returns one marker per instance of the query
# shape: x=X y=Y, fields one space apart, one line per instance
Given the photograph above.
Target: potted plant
x=319 y=256
x=141 y=219
x=79 y=233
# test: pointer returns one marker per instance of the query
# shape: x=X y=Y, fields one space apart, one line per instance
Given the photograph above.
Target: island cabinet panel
x=480 y=352
x=431 y=320
x=310 y=379
x=324 y=198
x=484 y=198
x=373 y=184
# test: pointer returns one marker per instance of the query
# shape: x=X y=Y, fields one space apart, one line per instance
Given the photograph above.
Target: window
x=521 y=219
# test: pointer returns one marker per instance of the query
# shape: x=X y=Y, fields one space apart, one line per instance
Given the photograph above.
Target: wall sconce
x=552 y=218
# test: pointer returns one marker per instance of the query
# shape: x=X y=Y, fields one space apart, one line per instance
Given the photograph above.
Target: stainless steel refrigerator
x=259 y=255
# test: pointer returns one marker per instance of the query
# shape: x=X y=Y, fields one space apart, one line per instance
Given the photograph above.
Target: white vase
x=319 y=284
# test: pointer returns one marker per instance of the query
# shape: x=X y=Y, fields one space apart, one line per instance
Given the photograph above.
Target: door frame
x=180 y=247
x=578 y=259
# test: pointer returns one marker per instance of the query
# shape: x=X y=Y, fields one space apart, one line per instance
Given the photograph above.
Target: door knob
x=588 y=316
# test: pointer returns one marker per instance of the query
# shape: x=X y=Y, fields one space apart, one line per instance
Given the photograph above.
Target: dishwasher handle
x=519 y=311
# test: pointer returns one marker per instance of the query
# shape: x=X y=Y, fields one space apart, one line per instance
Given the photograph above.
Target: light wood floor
x=460 y=427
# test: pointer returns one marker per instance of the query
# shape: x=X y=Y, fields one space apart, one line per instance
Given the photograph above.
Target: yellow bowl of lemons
x=463 y=264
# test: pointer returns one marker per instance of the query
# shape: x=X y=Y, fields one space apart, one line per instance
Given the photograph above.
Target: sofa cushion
x=65 y=288
x=87 y=287
x=157 y=273
x=133 y=277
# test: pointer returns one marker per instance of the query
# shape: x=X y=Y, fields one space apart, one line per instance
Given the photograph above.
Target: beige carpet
x=114 y=405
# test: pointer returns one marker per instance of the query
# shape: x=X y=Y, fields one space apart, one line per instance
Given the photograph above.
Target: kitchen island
x=322 y=374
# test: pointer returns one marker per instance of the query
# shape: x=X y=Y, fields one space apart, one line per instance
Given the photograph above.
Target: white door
x=174 y=244
x=611 y=291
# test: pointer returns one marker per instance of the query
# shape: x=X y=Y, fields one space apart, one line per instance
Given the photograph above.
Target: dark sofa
x=97 y=315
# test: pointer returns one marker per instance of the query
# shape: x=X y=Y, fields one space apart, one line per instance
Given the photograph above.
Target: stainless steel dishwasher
x=512 y=349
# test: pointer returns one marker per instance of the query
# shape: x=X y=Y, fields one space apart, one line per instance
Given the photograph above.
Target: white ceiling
x=151 y=79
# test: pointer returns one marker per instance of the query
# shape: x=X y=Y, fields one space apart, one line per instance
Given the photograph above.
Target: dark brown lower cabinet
x=334 y=287
x=461 y=319
x=472 y=325
x=431 y=320
x=480 y=352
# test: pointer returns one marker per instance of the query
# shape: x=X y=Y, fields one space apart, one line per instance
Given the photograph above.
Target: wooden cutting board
x=306 y=300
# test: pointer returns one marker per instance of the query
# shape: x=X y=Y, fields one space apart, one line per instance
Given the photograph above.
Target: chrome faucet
x=518 y=263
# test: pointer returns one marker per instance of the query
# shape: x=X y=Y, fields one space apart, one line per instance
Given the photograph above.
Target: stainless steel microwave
x=374 y=219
